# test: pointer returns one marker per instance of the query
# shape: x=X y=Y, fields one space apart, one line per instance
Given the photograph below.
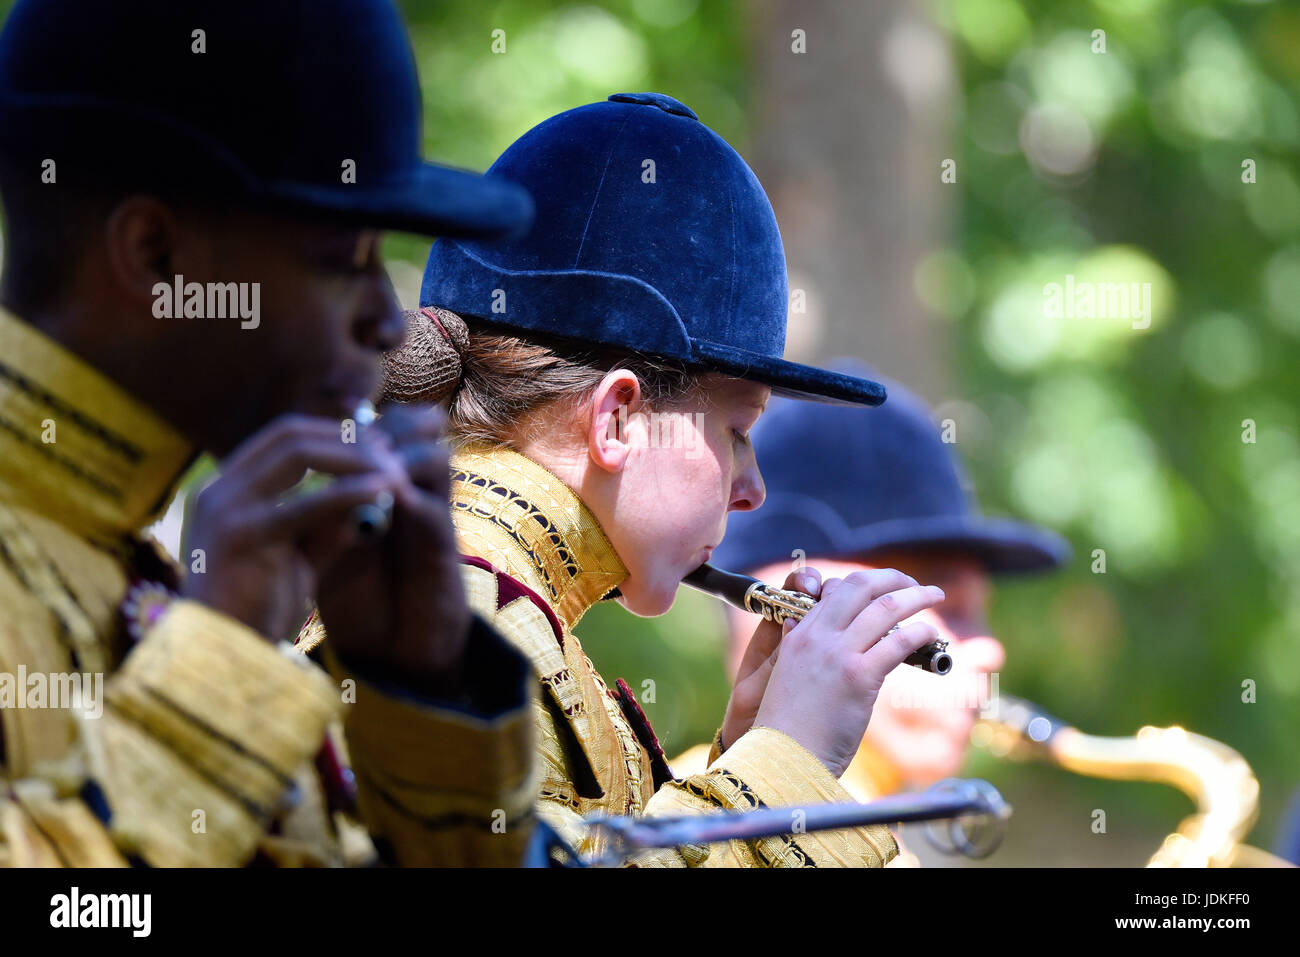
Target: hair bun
x=427 y=367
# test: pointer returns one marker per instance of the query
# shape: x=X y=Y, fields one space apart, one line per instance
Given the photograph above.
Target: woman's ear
x=615 y=422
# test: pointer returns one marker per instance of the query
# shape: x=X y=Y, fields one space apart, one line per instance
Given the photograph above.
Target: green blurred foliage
x=1117 y=166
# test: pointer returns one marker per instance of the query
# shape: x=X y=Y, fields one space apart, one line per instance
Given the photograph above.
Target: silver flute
x=372 y=519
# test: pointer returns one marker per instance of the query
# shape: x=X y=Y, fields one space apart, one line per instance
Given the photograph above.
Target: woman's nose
x=748 y=492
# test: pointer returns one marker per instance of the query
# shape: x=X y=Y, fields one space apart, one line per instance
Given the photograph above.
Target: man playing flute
x=254 y=149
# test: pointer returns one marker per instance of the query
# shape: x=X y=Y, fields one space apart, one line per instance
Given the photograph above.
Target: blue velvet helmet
x=845 y=485
x=651 y=234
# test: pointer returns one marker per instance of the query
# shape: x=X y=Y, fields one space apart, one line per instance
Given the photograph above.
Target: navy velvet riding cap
x=313 y=106
x=651 y=234
x=843 y=484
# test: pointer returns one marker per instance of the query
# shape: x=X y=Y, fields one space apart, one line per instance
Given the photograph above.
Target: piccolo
x=372 y=519
x=778 y=604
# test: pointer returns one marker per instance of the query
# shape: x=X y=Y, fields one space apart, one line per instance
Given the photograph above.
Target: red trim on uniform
x=509 y=589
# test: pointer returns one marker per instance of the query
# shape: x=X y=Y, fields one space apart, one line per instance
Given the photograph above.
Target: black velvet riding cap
x=651 y=234
x=843 y=484
x=313 y=106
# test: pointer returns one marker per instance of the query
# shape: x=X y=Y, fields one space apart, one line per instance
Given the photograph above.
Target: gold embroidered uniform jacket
x=526 y=532
x=202 y=754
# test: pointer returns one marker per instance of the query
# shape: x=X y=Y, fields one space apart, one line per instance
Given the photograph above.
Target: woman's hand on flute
x=827 y=675
x=756 y=666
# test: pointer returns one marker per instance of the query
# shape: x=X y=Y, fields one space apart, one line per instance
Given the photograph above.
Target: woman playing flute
x=615 y=359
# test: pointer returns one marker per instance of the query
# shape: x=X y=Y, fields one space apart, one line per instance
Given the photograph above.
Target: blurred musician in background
x=848 y=491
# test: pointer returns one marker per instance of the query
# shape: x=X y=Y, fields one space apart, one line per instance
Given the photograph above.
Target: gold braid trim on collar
x=523 y=519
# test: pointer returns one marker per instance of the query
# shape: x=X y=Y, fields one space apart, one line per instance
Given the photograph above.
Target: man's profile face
x=327 y=313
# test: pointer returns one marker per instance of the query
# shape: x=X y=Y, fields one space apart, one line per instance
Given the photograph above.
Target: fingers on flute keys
x=844 y=599
x=807 y=580
x=865 y=605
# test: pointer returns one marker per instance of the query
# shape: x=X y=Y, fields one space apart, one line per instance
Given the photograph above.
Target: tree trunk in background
x=848 y=139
